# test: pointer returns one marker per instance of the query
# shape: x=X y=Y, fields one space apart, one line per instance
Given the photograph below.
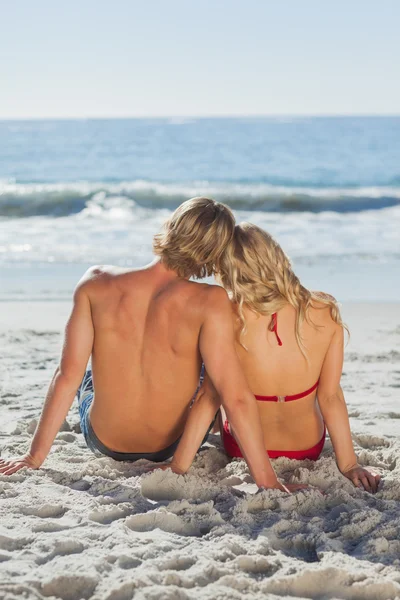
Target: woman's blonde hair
x=257 y=274
x=195 y=237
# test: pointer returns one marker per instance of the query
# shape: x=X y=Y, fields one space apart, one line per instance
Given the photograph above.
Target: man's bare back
x=146 y=360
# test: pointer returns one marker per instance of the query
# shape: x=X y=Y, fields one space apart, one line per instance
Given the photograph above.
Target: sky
x=122 y=58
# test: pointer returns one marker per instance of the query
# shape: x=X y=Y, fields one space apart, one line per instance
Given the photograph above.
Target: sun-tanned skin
x=271 y=369
x=148 y=331
x=282 y=370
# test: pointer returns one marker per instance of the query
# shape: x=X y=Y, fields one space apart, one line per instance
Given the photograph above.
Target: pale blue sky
x=95 y=58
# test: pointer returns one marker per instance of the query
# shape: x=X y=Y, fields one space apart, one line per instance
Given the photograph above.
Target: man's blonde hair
x=257 y=273
x=195 y=237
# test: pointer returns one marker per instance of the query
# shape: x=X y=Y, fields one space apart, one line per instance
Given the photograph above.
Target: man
x=148 y=331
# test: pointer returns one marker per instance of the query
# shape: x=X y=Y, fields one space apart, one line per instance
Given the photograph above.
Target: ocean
x=79 y=192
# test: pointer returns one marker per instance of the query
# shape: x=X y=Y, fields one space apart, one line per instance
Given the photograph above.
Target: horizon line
x=199 y=117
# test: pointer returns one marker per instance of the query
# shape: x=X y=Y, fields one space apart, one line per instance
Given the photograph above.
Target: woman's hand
x=363 y=477
x=287 y=488
x=164 y=466
x=12 y=465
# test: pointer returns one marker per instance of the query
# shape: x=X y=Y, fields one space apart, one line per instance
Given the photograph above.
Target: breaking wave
x=57 y=200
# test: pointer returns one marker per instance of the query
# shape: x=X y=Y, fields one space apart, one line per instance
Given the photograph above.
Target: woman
x=290 y=343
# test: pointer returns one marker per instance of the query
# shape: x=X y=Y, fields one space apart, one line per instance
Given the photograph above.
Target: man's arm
x=77 y=347
x=334 y=411
x=217 y=347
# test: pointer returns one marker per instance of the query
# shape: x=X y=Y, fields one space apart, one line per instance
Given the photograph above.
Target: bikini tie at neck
x=274 y=327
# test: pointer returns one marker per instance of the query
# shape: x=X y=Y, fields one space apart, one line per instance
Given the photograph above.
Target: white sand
x=82 y=527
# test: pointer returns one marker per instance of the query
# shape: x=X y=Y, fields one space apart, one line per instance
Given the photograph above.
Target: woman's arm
x=200 y=417
x=217 y=347
x=334 y=411
x=201 y=414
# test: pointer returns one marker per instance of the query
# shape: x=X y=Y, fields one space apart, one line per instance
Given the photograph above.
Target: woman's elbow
x=238 y=404
x=207 y=399
x=330 y=400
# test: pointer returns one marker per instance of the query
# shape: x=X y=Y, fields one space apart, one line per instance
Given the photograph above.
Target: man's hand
x=363 y=478
x=12 y=465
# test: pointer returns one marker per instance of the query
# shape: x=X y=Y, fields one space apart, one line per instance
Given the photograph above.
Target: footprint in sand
x=70 y=587
x=128 y=562
x=66 y=437
x=51 y=526
x=61 y=548
x=161 y=592
x=164 y=520
x=11 y=544
x=179 y=563
x=105 y=517
x=371 y=441
x=46 y=511
x=82 y=485
x=124 y=592
x=257 y=565
x=4 y=557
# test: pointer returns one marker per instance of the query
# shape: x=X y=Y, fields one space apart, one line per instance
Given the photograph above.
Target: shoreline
x=350 y=281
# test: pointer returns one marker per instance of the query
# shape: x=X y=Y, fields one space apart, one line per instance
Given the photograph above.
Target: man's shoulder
x=209 y=291
x=203 y=297
x=215 y=300
x=217 y=295
x=94 y=277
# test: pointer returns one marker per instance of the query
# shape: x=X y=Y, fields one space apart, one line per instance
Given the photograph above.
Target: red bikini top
x=274 y=327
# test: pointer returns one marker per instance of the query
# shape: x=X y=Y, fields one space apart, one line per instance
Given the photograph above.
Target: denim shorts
x=85 y=395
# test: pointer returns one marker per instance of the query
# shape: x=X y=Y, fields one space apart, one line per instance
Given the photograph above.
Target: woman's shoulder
x=321 y=308
x=323 y=296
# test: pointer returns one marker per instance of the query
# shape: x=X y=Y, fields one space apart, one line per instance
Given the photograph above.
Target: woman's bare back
x=282 y=370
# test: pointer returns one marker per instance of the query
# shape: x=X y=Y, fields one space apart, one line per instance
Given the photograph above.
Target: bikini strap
x=287 y=398
x=274 y=327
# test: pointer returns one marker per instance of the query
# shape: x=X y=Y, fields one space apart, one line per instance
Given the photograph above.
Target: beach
x=84 y=192
x=86 y=527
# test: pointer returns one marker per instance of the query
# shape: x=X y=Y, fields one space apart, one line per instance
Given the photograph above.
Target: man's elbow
x=67 y=379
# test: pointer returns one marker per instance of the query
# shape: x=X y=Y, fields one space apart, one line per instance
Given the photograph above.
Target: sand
x=83 y=527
